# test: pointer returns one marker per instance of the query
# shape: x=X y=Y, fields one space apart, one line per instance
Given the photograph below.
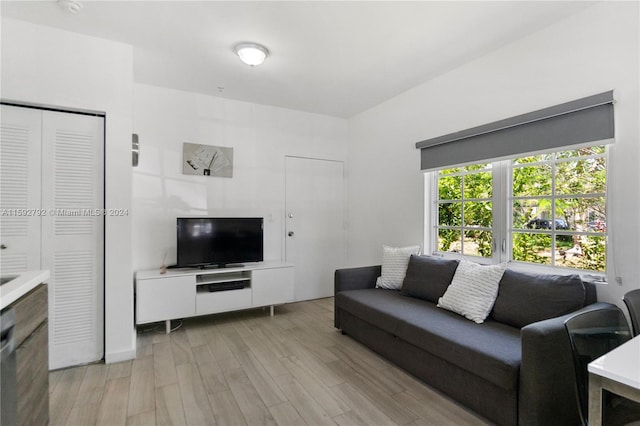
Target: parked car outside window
x=539 y=223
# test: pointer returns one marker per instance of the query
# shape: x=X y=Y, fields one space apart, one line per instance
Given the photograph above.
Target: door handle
x=2 y=247
x=290 y=233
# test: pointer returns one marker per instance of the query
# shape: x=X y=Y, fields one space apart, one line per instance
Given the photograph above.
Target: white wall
x=46 y=66
x=588 y=53
x=593 y=51
x=261 y=137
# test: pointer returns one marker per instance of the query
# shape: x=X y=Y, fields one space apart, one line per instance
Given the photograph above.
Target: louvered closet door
x=72 y=244
x=20 y=134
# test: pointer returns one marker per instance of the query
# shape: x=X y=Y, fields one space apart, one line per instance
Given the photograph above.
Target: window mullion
x=553 y=210
x=501 y=210
x=431 y=209
x=462 y=218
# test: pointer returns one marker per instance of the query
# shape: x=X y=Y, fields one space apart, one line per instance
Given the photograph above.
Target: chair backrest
x=593 y=334
x=632 y=300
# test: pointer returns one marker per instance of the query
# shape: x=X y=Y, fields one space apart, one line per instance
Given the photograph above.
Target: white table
x=618 y=372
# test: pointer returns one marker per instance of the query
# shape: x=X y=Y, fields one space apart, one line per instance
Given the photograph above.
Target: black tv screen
x=219 y=241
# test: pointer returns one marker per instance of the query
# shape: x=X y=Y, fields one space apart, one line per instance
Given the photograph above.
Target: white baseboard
x=110 y=358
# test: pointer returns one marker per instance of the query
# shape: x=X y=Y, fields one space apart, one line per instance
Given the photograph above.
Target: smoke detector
x=72 y=6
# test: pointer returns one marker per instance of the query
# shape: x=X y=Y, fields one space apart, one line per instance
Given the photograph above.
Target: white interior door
x=315 y=218
x=20 y=173
x=72 y=244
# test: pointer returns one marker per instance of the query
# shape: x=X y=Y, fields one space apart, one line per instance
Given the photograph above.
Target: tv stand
x=183 y=293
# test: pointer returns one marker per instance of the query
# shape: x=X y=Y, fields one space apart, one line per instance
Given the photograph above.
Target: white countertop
x=621 y=364
x=23 y=284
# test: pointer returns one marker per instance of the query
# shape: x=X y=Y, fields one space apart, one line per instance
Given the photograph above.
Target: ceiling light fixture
x=252 y=54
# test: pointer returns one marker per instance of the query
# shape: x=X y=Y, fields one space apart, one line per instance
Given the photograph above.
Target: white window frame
x=502 y=219
x=479 y=259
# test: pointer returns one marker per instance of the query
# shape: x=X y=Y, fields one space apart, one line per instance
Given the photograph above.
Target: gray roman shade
x=581 y=121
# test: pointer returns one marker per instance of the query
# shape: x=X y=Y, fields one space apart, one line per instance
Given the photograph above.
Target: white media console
x=183 y=293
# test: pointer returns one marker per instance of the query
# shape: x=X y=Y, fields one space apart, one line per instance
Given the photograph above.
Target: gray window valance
x=580 y=121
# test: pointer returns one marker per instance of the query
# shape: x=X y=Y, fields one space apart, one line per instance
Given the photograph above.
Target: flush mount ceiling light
x=252 y=54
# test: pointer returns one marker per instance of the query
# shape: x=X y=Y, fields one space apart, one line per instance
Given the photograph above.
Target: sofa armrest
x=353 y=279
x=356 y=278
x=547 y=378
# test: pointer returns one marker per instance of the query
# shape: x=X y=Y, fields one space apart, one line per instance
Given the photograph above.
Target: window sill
x=599 y=278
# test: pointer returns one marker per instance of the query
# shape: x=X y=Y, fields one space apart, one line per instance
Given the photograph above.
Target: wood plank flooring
x=247 y=368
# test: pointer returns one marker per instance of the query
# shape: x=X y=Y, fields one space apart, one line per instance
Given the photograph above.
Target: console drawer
x=222 y=301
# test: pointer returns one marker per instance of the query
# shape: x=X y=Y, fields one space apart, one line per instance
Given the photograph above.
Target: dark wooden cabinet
x=32 y=357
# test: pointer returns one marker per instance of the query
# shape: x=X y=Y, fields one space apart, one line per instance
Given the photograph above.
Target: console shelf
x=183 y=293
x=222 y=277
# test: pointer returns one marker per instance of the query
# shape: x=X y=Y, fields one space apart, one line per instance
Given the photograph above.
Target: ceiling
x=329 y=57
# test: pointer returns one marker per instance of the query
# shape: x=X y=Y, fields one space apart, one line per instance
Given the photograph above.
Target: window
x=552 y=210
x=465 y=205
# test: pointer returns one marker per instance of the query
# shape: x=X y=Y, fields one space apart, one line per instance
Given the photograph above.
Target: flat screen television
x=208 y=241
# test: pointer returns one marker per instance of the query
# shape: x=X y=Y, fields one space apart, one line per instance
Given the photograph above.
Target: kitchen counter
x=21 y=285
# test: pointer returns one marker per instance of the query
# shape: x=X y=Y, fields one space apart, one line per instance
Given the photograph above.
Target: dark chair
x=593 y=334
x=632 y=300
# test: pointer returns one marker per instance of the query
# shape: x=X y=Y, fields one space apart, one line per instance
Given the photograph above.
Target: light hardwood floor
x=247 y=368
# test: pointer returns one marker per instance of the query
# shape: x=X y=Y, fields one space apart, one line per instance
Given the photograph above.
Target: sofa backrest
x=523 y=298
x=591 y=293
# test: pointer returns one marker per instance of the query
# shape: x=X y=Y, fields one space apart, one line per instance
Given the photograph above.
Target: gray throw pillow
x=428 y=277
x=527 y=298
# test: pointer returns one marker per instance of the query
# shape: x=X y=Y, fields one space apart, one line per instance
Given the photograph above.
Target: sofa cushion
x=394 y=266
x=490 y=350
x=428 y=277
x=527 y=298
x=473 y=290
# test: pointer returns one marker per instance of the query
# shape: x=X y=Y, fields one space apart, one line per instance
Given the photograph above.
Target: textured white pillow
x=394 y=266
x=473 y=290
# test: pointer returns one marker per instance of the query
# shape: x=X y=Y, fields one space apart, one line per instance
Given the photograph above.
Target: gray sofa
x=515 y=368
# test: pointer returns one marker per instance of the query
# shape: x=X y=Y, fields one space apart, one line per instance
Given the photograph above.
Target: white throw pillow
x=394 y=266
x=473 y=290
